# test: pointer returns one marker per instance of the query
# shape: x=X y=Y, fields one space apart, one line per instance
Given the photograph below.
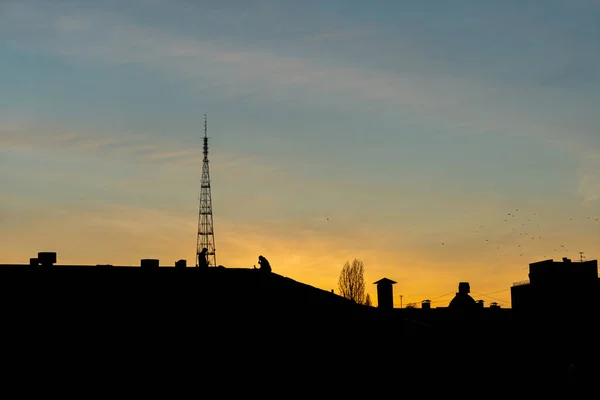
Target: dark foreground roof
x=241 y=331
x=261 y=299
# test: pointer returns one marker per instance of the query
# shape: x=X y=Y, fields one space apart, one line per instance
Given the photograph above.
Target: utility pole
x=581 y=257
x=206 y=234
x=400 y=301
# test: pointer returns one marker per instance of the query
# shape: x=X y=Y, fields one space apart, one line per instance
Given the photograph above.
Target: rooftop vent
x=464 y=288
x=46 y=258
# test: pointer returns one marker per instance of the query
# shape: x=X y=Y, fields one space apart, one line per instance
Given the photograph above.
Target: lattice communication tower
x=206 y=234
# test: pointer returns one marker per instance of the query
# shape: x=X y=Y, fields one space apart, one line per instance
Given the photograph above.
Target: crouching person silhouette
x=264 y=264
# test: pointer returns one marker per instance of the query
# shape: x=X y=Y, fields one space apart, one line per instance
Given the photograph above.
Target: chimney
x=464 y=288
x=149 y=263
x=46 y=258
x=480 y=303
x=426 y=304
x=385 y=293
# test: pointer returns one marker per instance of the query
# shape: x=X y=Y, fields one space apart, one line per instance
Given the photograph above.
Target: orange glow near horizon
x=314 y=257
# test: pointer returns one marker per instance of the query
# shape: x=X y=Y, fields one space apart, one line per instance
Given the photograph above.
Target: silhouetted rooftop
x=264 y=325
x=462 y=301
x=235 y=292
x=384 y=280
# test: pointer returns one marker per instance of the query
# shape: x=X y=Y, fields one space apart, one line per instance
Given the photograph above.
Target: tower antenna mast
x=206 y=235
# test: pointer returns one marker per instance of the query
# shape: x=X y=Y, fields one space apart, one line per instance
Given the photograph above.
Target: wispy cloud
x=27 y=134
x=230 y=71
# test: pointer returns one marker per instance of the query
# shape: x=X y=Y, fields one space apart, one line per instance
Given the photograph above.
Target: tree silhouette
x=352 y=281
x=368 y=300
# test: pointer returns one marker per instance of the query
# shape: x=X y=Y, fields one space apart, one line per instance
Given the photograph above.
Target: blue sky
x=407 y=123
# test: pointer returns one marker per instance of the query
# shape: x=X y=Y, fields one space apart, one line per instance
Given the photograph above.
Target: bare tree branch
x=351 y=282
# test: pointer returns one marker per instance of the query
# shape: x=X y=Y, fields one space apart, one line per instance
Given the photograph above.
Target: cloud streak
x=233 y=73
x=28 y=135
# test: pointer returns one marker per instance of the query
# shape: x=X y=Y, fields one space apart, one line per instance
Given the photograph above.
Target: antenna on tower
x=581 y=257
x=206 y=235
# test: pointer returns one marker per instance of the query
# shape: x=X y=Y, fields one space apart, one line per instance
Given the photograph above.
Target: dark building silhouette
x=557 y=287
x=463 y=300
x=385 y=293
x=558 y=307
x=461 y=313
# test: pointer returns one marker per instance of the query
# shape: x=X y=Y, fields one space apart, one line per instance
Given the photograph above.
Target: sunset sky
x=438 y=141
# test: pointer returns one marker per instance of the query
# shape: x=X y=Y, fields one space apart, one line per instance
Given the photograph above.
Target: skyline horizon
x=436 y=142
x=397 y=300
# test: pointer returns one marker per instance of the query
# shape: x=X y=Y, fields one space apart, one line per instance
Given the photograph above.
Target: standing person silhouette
x=264 y=264
x=202 y=261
